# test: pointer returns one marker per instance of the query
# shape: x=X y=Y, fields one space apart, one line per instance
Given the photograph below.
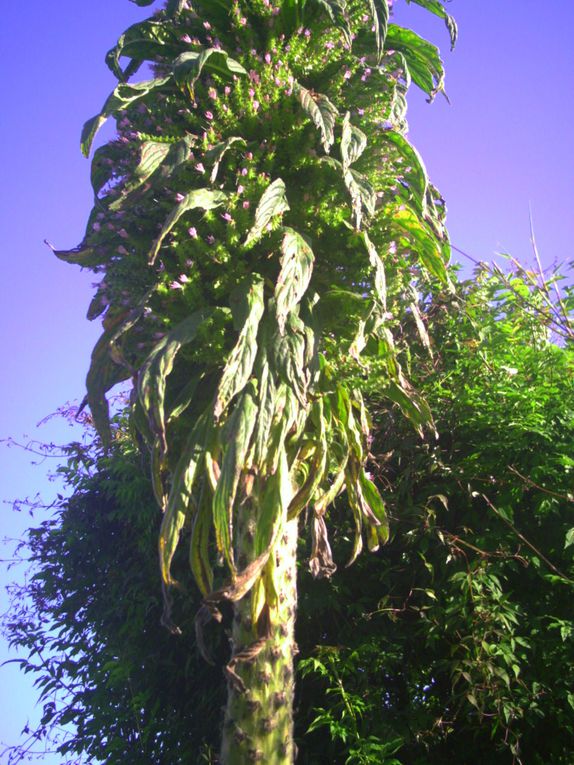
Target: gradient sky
x=503 y=144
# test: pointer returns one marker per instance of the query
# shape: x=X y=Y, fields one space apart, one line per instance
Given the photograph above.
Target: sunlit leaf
x=323 y=113
x=273 y=202
x=296 y=269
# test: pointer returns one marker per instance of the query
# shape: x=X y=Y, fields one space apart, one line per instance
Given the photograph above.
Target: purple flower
x=211 y=239
x=227 y=217
x=123 y=233
x=122 y=250
x=96 y=226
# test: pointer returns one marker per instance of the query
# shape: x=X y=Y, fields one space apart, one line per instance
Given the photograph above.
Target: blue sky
x=503 y=144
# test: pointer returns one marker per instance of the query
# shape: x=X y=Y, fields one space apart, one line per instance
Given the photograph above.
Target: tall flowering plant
x=247 y=217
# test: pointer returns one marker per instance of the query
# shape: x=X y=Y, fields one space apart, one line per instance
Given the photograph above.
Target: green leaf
x=144 y=41
x=416 y=175
x=273 y=202
x=179 y=505
x=203 y=199
x=238 y=433
x=436 y=7
x=215 y=155
x=123 y=96
x=199 y=544
x=378 y=267
x=152 y=378
x=189 y=66
x=247 y=306
x=353 y=142
x=296 y=269
x=323 y=113
x=424 y=242
x=569 y=538
x=337 y=12
x=106 y=370
x=380 y=15
x=422 y=57
x=152 y=155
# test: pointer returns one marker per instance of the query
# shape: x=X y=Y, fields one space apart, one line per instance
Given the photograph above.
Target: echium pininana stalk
x=258 y=194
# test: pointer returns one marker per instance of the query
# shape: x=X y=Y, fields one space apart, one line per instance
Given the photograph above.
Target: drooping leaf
x=123 y=96
x=199 y=544
x=152 y=378
x=416 y=175
x=436 y=7
x=144 y=41
x=423 y=240
x=248 y=307
x=106 y=369
x=202 y=199
x=296 y=268
x=422 y=58
x=216 y=154
x=323 y=113
x=380 y=281
x=238 y=433
x=321 y=562
x=353 y=142
x=179 y=504
x=273 y=202
x=380 y=16
x=337 y=12
x=152 y=155
x=189 y=66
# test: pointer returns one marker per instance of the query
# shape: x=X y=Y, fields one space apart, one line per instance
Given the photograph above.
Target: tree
x=246 y=227
x=459 y=630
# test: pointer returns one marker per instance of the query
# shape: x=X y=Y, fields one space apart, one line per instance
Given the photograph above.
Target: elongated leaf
x=362 y=194
x=189 y=66
x=371 y=497
x=321 y=562
x=273 y=202
x=323 y=113
x=413 y=406
x=146 y=40
x=422 y=57
x=152 y=155
x=152 y=379
x=124 y=95
x=106 y=370
x=179 y=505
x=267 y=400
x=203 y=199
x=336 y=10
x=423 y=240
x=83 y=255
x=238 y=435
x=249 y=304
x=353 y=142
x=417 y=175
x=296 y=269
x=436 y=7
x=199 y=544
x=380 y=281
x=215 y=155
x=380 y=15
x=288 y=359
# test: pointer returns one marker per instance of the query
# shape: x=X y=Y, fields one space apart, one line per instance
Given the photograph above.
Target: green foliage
x=239 y=202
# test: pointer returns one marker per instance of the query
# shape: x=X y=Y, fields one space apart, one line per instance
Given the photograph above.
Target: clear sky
x=503 y=144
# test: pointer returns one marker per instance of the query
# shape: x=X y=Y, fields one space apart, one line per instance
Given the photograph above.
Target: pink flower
x=192 y=231
x=183 y=278
x=249 y=155
x=123 y=233
x=179 y=197
x=185 y=39
x=243 y=21
x=246 y=204
x=227 y=217
x=240 y=189
x=212 y=93
x=227 y=90
x=251 y=93
x=206 y=25
x=243 y=171
x=175 y=286
x=96 y=226
x=211 y=239
x=267 y=58
x=200 y=168
x=348 y=74
x=122 y=250
x=208 y=115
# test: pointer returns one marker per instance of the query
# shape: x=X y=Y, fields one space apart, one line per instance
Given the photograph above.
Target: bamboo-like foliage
x=260 y=186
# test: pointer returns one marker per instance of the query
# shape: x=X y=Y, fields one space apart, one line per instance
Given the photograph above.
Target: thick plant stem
x=258 y=724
